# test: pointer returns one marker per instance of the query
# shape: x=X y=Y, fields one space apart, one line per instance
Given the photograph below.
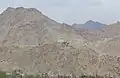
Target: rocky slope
x=38 y=44
x=21 y=26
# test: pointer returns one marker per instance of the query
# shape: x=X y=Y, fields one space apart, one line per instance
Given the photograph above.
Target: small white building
x=60 y=40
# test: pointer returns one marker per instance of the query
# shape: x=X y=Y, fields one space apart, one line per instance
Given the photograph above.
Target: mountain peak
x=7 y=11
x=10 y=8
x=20 y=8
x=90 y=22
x=29 y=9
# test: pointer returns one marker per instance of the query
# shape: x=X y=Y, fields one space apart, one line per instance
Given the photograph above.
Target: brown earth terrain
x=31 y=41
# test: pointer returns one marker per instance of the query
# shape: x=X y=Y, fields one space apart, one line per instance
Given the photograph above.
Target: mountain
x=28 y=26
x=27 y=35
x=31 y=41
x=89 y=24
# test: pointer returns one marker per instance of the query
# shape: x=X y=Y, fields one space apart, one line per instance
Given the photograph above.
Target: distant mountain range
x=89 y=24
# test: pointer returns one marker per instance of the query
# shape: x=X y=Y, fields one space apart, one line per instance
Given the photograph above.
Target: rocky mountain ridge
x=90 y=25
x=35 y=43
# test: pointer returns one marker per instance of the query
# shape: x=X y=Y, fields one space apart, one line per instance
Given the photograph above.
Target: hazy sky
x=72 y=11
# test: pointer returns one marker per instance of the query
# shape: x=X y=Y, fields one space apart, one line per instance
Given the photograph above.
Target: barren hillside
x=37 y=44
